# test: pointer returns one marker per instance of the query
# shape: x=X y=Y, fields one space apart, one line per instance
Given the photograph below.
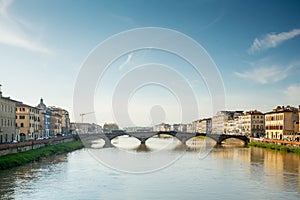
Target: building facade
x=190 y=128
x=219 y=120
x=28 y=122
x=56 y=122
x=7 y=119
x=205 y=126
x=196 y=125
x=233 y=126
x=253 y=124
x=64 y=119
x=280 y=123
x=65 y=128
x=162 y=127
x=45 y=119
x=83 y=128
x=175 y=127
x=182 y=128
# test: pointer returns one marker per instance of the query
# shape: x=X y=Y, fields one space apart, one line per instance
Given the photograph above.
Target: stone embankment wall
x=6 y=149
x=276 y=142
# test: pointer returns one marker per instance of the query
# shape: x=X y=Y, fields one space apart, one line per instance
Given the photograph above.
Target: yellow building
x=56 y=122
x=60 y=121
x=7 y=119
x=253 y=124
x=280 y=123
x=299 y=120
x=28 y=122
x=202 y=126
x=65 y=121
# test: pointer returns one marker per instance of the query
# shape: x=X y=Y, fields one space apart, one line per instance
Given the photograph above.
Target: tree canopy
x=110 y=126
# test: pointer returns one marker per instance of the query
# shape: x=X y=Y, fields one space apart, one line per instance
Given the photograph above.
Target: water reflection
x=17 y=179
x=154 y=144
x=267 y=167
x=254 y=172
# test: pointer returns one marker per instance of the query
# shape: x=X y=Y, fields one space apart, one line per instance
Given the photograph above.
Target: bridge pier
x=143 y=141
x=108 y=144
x=219 y=142
x=183 y=142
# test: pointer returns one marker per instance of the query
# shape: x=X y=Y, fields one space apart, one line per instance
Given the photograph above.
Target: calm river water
x=228 y=172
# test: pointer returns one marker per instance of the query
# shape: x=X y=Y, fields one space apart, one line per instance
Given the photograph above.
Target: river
x=227 y=172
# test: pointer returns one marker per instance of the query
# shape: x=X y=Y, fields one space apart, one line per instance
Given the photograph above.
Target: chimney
x=0 y=91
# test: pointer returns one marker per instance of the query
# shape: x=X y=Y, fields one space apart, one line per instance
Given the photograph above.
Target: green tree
x=110 y=126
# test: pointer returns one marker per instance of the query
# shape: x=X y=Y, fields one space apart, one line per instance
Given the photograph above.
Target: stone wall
x=6 y=149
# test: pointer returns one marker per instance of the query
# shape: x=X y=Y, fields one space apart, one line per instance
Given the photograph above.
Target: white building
x=253 y=124
x=219 y=120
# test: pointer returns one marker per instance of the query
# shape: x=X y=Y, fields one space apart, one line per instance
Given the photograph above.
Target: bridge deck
x=143 y=136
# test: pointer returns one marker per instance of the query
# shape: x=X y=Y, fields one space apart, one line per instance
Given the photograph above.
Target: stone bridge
x=143 y=136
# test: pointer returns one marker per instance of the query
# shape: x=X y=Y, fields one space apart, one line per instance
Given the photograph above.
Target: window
x=22 y=125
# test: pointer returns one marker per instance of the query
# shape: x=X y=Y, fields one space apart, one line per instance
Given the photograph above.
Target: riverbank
x=275 y=147
x=18 y=159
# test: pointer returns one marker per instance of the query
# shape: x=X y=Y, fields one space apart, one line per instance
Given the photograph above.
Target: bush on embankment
x=17 y=159
x=274 y=146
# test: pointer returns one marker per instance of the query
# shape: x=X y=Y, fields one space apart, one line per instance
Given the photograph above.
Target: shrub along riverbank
x=274 y=146
x=17 y=159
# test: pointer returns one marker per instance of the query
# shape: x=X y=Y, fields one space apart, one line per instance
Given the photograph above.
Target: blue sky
x=255 y=45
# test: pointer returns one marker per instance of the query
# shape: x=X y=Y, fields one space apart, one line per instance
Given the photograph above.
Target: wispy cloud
x=265 y=75
x=293 y=93
x=4 y=4
x=129 y=57
x=272 y=40
x=11 y=32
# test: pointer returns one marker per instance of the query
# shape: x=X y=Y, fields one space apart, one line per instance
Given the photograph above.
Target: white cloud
x=4 y=4
x=265 y=75
x=272 y=40
x=11 y=32
x=293 y=94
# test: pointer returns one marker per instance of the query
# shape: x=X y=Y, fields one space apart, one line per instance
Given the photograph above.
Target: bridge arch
x=239 y=137
x=144 y=138
x=111 y=137
x=170 y=133
x=219 y=138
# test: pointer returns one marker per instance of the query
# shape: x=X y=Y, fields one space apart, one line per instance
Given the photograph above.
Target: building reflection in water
x=266 y=166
